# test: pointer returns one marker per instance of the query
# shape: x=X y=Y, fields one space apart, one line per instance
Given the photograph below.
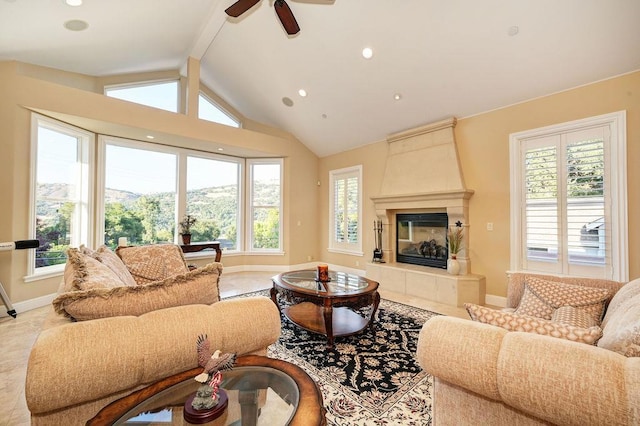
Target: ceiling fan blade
x=286 y=17
x=240 y=7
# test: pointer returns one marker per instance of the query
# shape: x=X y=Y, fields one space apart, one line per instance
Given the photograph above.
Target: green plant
x=455 y=237
x=186 y=224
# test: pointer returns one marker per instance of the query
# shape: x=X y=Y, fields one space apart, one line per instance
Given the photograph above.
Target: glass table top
x=275 y=392
x=339 y=282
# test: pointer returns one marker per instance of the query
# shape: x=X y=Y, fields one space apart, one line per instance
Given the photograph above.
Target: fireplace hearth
x=421 y=239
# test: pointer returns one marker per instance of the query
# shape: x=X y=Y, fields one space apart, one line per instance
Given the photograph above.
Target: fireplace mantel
x=423 y=174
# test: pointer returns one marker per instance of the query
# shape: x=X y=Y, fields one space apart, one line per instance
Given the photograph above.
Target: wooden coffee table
x=275 y=391
x=327 y=307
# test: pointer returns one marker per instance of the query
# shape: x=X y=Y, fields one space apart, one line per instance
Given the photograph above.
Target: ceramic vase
x=453 y=266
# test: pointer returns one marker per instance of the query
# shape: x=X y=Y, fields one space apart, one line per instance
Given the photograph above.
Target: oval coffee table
x=327 y=307
x=274 y=391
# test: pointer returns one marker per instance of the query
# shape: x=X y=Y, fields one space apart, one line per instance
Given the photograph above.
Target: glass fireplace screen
x=422 y=239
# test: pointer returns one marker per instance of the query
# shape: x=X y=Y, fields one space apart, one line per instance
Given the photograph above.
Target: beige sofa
x=485 y=374
x=79 y=365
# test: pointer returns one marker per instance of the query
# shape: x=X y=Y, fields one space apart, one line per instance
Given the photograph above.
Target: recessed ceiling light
x=150 y=137
x=302 y=92
x=397 y=96
x=287 y=101
x=73 y=2
x=220 y=149
x=513 y=30
x=76 y=25
x=367 y=53
x=324 y=115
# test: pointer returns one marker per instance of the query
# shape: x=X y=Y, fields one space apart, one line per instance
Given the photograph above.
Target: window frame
x=344 y=247
x=249 y=235
x=220 y=108
x=615 y=154
x=85 y=175
x=146 y=83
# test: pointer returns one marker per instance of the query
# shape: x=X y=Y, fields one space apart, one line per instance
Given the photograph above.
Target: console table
x=197 y=247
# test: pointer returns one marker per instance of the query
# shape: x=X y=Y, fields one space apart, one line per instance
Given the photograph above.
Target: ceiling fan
x=282 y=9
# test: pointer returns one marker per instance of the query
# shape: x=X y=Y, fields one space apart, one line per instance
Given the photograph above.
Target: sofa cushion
x=542 y=297
x=199 y=286
x=83 y=272
x=152 y=263
x=622 y=330
x=516 y=322
x=113 y=262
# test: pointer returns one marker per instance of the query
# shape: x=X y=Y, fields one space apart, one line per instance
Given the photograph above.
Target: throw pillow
x=153 y=262
x=621 y=334
x=573 y=316
x=87 y=273
x=515 y=322
x=626 y=292
x=113 y=262
x=541 y=298
x=196 y=287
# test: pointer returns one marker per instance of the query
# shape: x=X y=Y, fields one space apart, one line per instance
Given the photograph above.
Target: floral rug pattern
x=371 y=378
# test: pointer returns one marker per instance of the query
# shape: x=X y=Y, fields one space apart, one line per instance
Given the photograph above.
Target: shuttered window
x=566 y=220
x=345 y=210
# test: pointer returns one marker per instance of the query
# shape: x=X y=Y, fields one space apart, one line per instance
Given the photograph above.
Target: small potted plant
x=185 y=228
x=455 y=245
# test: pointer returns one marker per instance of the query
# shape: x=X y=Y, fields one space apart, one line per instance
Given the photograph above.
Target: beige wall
x=28 y=87
x=483 y=146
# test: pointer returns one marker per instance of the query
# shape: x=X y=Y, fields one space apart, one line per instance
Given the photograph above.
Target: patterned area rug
x=371 y=378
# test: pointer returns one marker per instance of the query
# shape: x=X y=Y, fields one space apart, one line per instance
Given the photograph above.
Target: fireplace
x=421 y=239
x=423 y=175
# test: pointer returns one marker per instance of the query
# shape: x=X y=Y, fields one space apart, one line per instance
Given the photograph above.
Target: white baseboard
x=499 y=301
x=30 y=304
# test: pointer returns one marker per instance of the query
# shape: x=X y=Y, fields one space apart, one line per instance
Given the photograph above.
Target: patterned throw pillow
x=573 y=316
x=515 y=322
x=154 y=262
x=109 y=258
x=541 y=298
x=622 y=332
x=87 y=273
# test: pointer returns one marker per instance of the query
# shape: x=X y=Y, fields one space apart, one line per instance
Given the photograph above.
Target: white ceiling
x=446 y=58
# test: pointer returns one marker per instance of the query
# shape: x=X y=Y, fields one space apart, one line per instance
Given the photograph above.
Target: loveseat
x=122 y=321
x=486 y=373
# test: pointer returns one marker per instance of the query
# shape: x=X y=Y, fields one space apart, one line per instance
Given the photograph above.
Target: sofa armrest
x=557 y=380
x=84 y=361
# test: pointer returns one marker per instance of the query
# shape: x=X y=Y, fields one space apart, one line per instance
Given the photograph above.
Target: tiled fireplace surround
x=423 y=175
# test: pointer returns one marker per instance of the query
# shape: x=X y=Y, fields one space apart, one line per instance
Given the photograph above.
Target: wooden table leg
x=274 y=296
x=248 y=407
x=328 y=321
x=376 y=302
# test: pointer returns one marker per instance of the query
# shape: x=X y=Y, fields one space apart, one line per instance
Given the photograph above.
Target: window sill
x=344 y=251
x=57 y=272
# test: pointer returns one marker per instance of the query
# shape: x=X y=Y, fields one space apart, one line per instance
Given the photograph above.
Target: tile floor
x=18 y=335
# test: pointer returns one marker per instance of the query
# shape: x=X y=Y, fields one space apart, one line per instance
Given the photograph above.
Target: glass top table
x=260 y=390
x=326 y=307
x=339 y=282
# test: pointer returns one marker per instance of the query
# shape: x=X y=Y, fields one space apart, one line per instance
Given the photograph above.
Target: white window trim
x=250 y=250
x=345 y=248
x=107 y=87
x=221 y=109
x=618 y=176
x=87 y=176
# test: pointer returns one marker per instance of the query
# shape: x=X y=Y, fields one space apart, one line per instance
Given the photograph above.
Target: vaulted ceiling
x=442 y=58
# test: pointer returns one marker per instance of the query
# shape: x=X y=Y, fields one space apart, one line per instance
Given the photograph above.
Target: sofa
x=508 y=368
x=124 y=320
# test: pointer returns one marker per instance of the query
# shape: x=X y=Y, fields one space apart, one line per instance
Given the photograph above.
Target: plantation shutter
x=566 y=198
x=345 y=209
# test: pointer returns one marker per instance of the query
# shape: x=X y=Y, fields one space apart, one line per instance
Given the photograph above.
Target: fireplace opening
x=421 y=239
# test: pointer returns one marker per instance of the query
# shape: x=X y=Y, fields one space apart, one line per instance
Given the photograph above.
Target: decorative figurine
x=209 y=401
